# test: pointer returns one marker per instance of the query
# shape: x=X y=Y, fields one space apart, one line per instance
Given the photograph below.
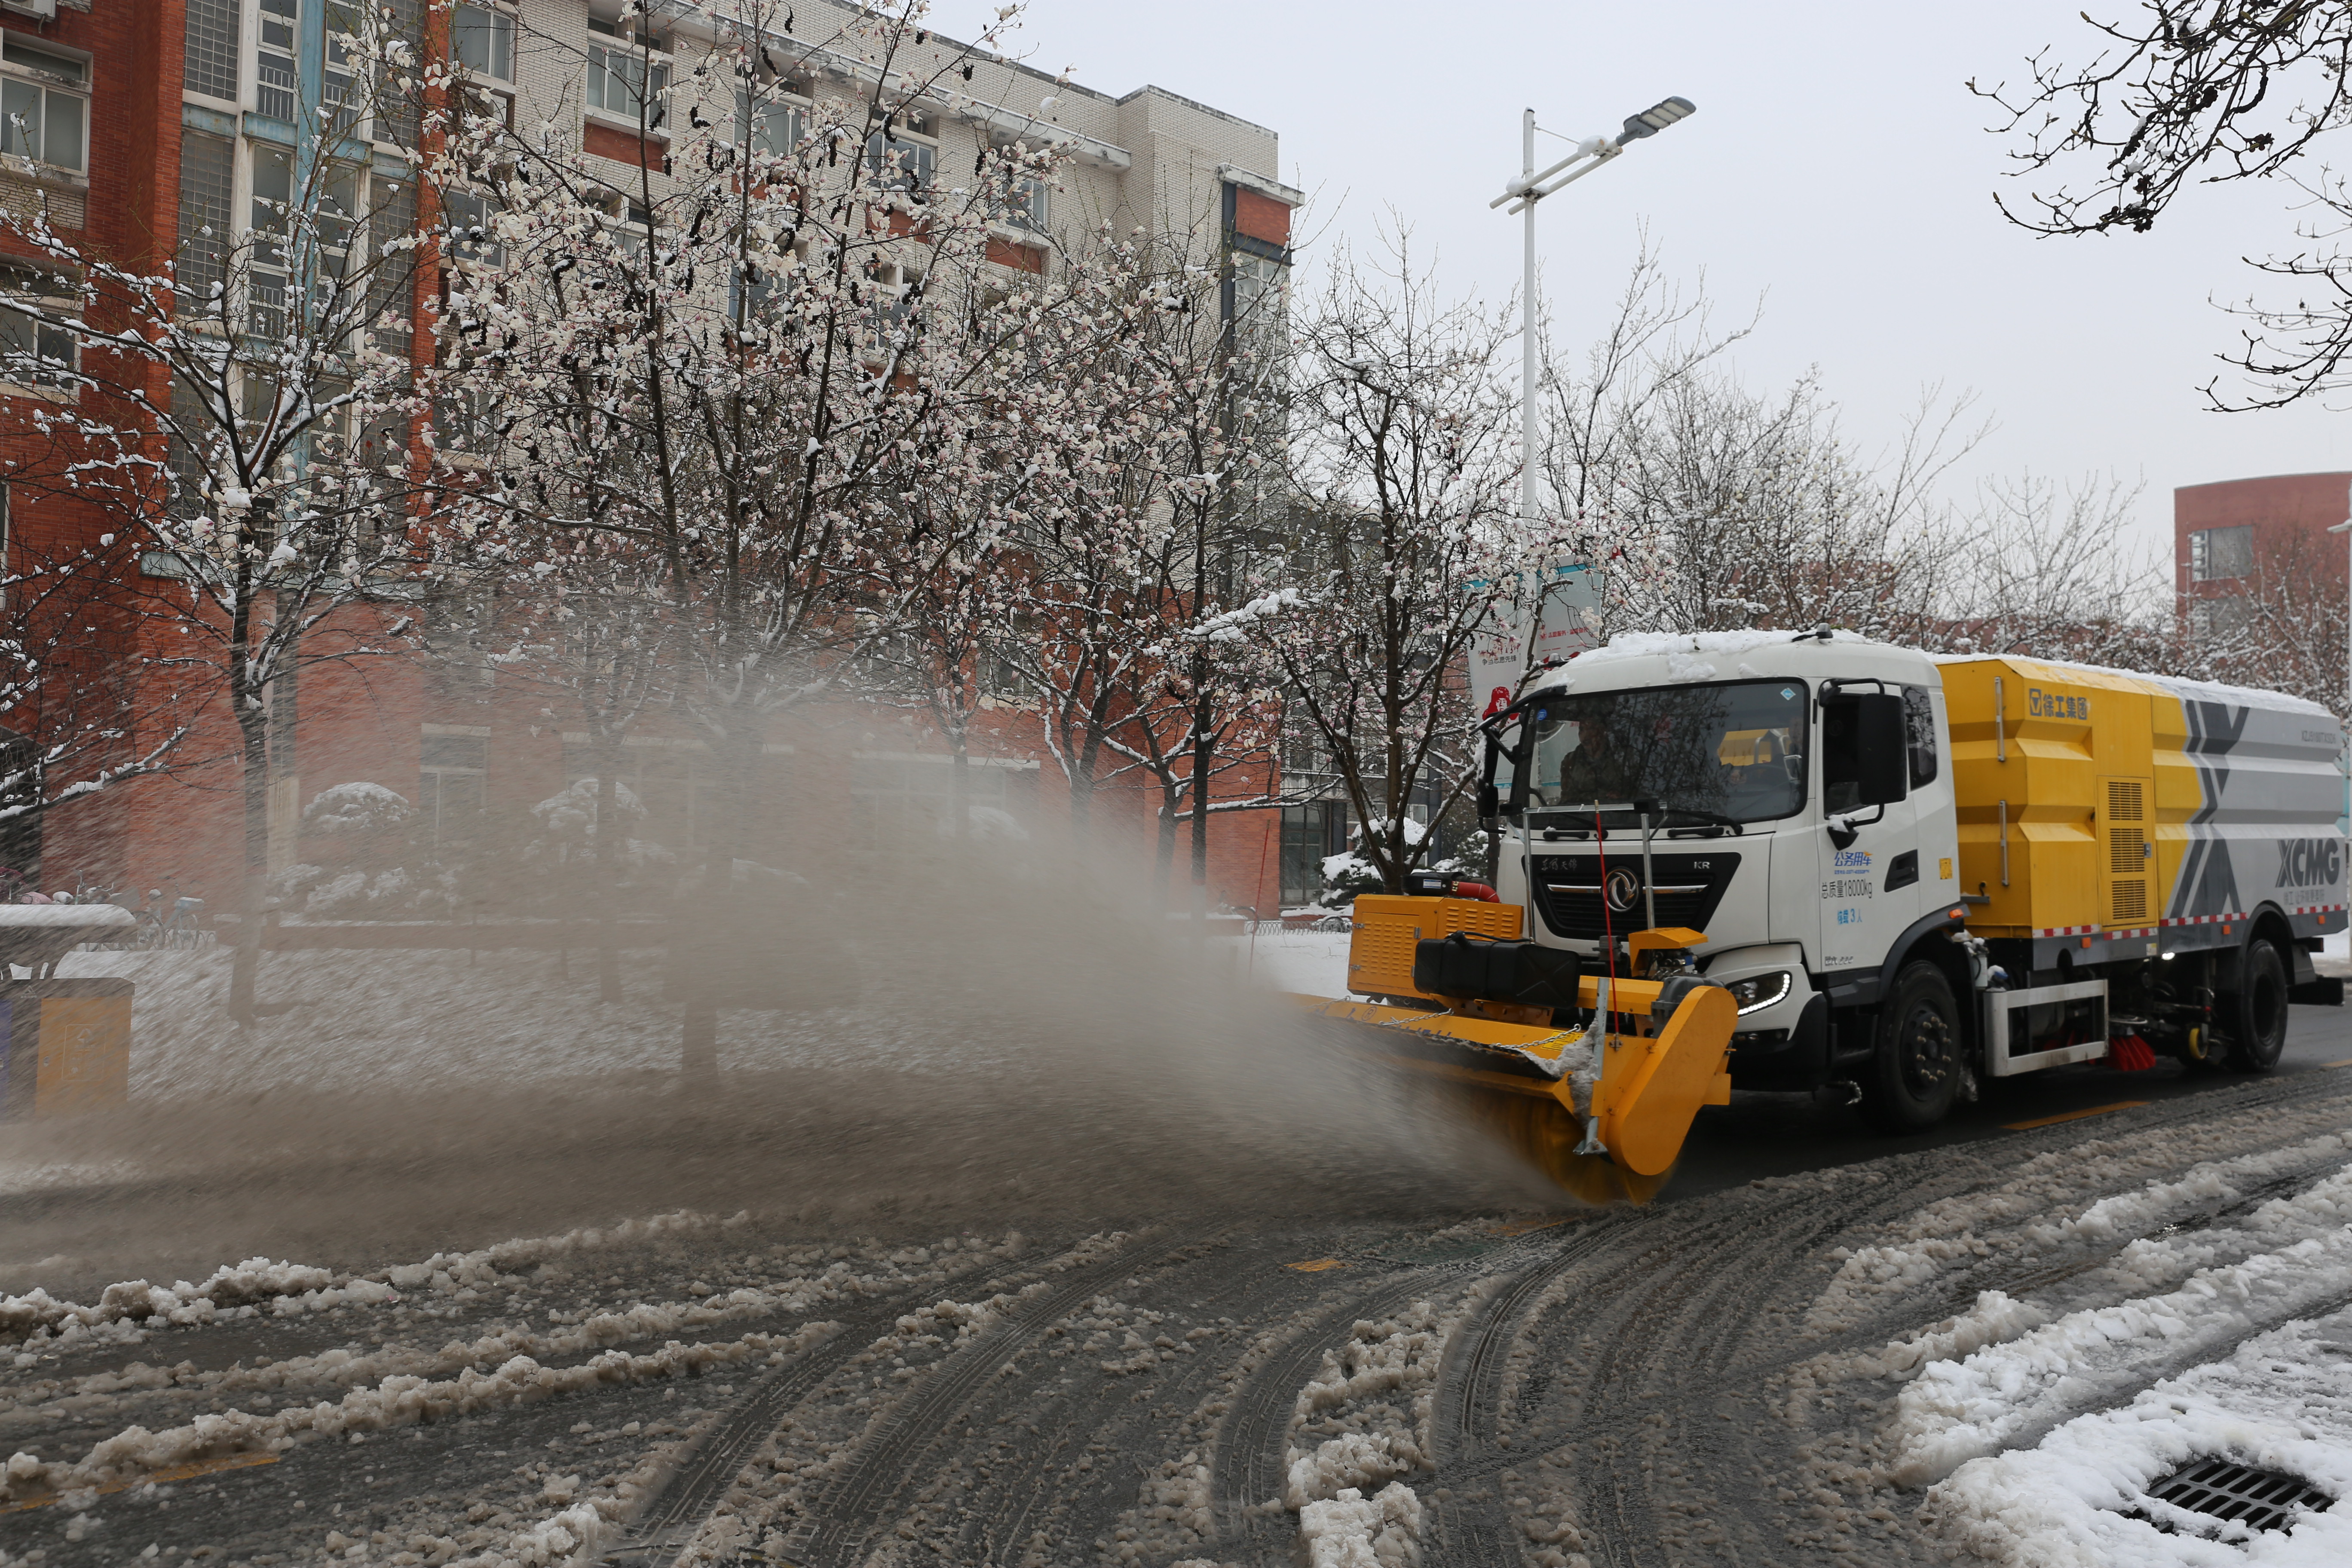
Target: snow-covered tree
x=239 y=412
x=1405 y=534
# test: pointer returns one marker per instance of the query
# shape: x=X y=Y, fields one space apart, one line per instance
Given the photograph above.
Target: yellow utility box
x=65 y=1047
x=1388 y=925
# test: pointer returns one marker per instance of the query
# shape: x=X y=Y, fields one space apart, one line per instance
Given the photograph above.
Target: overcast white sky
x=1837 y=167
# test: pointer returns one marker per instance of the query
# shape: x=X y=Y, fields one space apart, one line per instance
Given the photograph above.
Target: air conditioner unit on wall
x=46 y=10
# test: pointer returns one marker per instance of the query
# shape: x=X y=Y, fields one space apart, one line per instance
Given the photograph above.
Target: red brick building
x=2227 y=536
x=142 y=123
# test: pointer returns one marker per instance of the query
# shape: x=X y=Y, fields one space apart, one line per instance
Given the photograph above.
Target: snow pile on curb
x=395 y=1402
x=1352 y=1531
x=291 y=1289
x=1956 y=1411
x=2282 y=1402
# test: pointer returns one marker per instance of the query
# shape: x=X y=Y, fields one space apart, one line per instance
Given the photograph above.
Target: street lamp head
x=1656 y=118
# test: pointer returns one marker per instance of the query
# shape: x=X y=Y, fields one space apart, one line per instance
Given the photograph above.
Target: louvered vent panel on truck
x=2128 y=852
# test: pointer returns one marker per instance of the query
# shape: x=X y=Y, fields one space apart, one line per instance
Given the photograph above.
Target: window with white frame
x=907 y=803
x=44 y=103
x=36 y=351
x=209 y=65
x=1024 y=205
x=482 y=39
x=2217 y=555
x=276 y=78
x=902 y=155
x=455 y=770
x=624 y=79
x=267 y=260
x=465 y=225
x=773 y=124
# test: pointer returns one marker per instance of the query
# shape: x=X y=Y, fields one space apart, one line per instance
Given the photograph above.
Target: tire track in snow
x=1642 y=1370
x=1472 y=1530
x=1252 y=1450
x=694 y=1490
x=858 y=1502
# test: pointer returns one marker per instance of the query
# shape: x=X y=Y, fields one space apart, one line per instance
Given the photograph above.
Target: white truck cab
x=1802 y=801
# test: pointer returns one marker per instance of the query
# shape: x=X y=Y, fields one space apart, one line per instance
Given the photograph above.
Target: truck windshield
x=1733 y=753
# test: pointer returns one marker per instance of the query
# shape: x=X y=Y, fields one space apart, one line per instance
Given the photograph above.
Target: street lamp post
x=1529 y=189
x=2346 y=528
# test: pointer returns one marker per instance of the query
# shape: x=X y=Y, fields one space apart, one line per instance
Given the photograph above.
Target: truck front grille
x=1568 y=890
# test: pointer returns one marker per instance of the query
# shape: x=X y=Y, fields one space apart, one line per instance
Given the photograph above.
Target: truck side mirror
x=1490 y=804
x=1881 y=756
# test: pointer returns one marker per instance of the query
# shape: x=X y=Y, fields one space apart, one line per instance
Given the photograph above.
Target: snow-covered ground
x=1310 y=962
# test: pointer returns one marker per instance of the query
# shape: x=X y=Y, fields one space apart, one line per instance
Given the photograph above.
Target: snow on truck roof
x=1713 y=655
x=2180 y=685
x=1695 y=656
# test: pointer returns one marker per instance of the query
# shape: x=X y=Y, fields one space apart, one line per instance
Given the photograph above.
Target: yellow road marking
x=2347 y=1062
x=172 y=1473
x=1316 y=1265
x=1523 y=1226
x=2073 y=1115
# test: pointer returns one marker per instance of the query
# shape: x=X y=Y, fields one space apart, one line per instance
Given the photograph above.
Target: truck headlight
x=1758 y=992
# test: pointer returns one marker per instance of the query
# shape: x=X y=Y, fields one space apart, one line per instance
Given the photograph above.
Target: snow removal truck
x=1805 y=862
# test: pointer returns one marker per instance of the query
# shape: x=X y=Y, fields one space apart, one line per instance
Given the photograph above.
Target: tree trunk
x=1202 y=746
x=254 y=892
x=608 y=868
x=719 y=923
x=1164 y=859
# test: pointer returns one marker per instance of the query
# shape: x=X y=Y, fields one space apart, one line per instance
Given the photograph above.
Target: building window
x=274 y=78
x=34 y=353
x=1255 y=299
x=773 y=126
x=900 y=160
x=44 y=104
x=465 y=227
x=673 y=783
x=909 y=804
x=1310 y=834
x=209 y=65
x=206 y=182
x=2217 y=554
x=2223 y=616
x=391 y=217
x=481 y=38
x=273 y=199
x=621 y=81
x=450 y=792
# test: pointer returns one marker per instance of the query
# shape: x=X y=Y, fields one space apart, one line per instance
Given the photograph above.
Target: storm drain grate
x=2260 y=1500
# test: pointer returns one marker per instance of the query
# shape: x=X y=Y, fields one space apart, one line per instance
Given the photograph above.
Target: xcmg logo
x=2310 y=862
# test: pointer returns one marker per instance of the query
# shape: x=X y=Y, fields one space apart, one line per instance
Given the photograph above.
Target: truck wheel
x=1916 y=1070
x=2257 y=1014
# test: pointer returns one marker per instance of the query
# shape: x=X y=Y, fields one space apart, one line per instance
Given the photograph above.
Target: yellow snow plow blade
x=1649 y=1088
x=1602 y=1124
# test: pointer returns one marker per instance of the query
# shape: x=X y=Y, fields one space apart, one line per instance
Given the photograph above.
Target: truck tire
x=1916 y=1070
x=2257 y=1012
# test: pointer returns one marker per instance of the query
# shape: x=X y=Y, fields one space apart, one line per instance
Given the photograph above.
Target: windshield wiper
x=1714 y=817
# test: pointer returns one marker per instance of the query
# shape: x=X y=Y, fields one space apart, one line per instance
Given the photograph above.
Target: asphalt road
x=1779 y=1134
x=1613 y=1384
